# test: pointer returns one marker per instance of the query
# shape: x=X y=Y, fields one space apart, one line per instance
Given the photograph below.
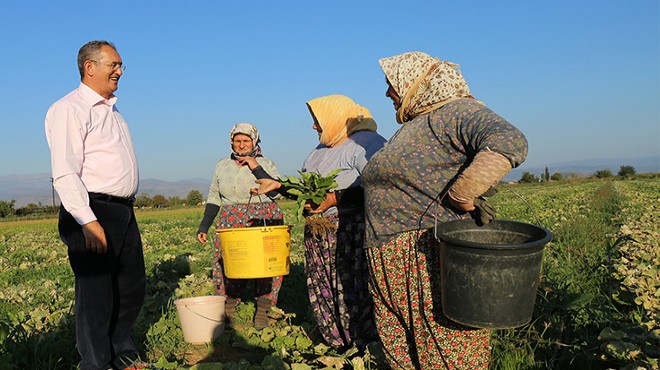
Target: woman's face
x=392 y=94
x=242 y=144
x=317 y=127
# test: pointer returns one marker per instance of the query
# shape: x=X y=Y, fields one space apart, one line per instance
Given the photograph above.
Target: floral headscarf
x=424 y=83
x=339 y=116
x=249 y=130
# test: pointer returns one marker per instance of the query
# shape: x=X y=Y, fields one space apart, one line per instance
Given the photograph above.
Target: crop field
x=597 y=305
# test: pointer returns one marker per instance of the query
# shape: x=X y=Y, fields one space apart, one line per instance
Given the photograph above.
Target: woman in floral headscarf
x=335 y=263
x=449 y=150
x=229 y=196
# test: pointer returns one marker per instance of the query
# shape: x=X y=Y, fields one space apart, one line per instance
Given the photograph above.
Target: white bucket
x=202 y=318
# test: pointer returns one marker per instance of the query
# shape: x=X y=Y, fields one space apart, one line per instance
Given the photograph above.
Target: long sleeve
x=260 y=173
x=210 y=211
x=91 y=150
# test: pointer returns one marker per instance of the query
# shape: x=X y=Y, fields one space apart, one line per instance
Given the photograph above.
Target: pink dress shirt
x=91 y=151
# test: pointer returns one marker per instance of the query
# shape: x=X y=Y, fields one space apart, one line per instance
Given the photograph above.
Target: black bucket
x=489 y=274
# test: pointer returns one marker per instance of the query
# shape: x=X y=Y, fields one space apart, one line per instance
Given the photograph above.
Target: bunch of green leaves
x=309 y=186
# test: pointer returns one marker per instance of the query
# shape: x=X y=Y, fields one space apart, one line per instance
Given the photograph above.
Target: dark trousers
x=110 y=287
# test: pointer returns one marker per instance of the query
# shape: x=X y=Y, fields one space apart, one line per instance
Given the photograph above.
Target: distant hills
x=587 y=167
x=35 y=188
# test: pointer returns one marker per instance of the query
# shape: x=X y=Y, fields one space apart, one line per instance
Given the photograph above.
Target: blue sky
x=579 y=78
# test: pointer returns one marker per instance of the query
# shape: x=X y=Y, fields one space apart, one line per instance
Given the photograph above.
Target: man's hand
x=95 y=239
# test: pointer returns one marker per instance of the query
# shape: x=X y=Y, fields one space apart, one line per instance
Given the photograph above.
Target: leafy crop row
x=597 y=304
x=598 y=293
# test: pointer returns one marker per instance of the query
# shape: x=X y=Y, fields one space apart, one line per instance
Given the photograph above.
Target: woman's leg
x=414 y=333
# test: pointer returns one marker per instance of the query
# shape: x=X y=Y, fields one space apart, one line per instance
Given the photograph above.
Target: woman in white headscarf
x=449 y=150
x=229 y=198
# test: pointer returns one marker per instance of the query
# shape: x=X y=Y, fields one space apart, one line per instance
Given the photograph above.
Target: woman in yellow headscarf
x=336 y=265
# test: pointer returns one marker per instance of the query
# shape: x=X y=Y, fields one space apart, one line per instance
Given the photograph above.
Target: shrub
x=7 y=208
x=602 y=174
x=626 y=171
x=528 y=177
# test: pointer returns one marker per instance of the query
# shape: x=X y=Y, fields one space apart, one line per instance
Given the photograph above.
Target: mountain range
x=587 y=167
x=36 y=188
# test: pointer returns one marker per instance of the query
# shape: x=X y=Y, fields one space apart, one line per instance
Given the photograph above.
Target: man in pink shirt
x=95 y=174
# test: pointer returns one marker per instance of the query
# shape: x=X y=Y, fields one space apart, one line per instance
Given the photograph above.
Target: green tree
x=601 y=174
x=194 y=198
x=7 y=208
x=528 y=177
x=159 y=201
x=175 y=201
x=556 y=176
x=547 y=174
x=31 y=208
x=626 y=171
x=143 y=200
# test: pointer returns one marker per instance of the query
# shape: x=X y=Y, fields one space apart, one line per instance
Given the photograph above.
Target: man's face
x=103 y=74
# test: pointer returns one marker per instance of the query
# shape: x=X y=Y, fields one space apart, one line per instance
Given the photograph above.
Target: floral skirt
x=337 y=283
x=245 y=215
x=414 y=332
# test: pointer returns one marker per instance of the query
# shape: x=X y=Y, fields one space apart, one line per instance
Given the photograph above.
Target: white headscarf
x=249 y=130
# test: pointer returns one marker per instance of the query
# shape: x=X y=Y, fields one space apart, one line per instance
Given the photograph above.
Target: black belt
x=112 y=198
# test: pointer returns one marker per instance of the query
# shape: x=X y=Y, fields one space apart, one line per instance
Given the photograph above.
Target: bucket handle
x=442 y=196
x=200 y=315
x=529 y=206
x=262 y=215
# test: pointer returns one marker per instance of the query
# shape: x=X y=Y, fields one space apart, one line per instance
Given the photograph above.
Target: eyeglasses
x=114 y=66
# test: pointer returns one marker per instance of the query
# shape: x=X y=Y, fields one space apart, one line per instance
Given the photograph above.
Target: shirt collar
x=93 y=98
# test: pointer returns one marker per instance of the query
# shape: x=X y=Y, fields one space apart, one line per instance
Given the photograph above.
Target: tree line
x=625 y=172
x=194 y=198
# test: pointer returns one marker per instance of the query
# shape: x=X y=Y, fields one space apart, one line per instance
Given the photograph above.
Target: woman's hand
x=462 y=207
x=329 y=201
x=201 y=236
x=265 y=186
x=249 y=161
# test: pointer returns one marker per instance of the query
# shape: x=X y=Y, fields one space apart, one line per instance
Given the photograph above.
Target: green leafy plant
x=309 y=186
x=606 y=317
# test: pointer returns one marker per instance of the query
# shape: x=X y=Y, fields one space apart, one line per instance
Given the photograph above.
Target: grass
x=575 y=295
x=588 y=286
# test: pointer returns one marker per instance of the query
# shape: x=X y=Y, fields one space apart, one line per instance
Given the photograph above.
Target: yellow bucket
x=255 y=252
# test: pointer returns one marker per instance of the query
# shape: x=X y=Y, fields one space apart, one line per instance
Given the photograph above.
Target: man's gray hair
x=90 y=51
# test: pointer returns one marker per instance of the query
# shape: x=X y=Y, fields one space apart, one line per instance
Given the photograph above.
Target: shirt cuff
x=84 y=215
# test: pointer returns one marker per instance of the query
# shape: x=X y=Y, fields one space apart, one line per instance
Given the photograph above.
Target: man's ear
x=89 y=68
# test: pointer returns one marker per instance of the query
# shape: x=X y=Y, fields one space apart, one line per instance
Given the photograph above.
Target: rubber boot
x=261 y=317
x=230 y=310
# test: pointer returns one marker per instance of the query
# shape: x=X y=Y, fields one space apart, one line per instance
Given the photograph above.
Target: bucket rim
x=203 y=299
x=253 y=228
x=547 y=234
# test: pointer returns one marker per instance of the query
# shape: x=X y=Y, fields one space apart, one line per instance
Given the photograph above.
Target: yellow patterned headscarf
x=339 y=116
x=424 y=83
